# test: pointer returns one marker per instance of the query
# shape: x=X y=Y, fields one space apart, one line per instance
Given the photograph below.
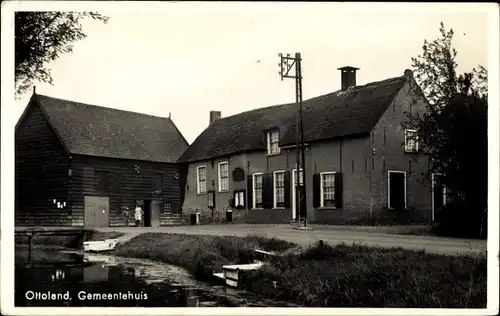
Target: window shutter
x=249 y=192
x=338 y=190
x=316 y=190
x=287 y=189
x=232 y=201
x=267 y=191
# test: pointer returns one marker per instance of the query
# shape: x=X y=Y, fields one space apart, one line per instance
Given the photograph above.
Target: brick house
x=359 y=160
x=82 y=165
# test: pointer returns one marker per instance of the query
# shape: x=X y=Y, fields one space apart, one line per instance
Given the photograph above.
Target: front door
x=294 y=196
x=147 y=213
x=96 y=211
x=155 y=213
x=397 y=190
x=438 y=194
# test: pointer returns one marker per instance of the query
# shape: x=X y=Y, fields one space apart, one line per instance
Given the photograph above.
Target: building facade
x=83 y=165
x=360 y=161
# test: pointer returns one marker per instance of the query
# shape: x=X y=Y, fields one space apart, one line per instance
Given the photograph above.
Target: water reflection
x=54 y=278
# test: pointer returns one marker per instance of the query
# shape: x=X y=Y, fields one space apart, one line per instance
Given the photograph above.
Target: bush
x=458 y=220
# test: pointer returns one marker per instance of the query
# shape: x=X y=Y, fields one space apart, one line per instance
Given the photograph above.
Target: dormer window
x=411 y=141
x=273 y=139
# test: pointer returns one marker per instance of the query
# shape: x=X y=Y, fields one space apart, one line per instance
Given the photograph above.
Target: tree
x=42 y=37
x=453 y=130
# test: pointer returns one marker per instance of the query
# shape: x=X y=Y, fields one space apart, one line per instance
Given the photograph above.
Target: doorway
x=96 y=211
x=294 y=195
x=396 y=199
x=152 y=213
x=438 y=194
x=147 y=213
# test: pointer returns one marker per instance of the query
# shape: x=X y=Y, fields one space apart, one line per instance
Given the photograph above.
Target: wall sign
x=238 y=175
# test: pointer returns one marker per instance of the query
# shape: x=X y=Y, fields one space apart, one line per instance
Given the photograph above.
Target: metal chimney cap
x=348 y=68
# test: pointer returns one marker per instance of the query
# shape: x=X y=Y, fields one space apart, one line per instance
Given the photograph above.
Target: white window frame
x=321 y=188
x=269 y=147
x=294 y=189
x=275 y=202
x=198 y=189
x=239 y=196
x=219 y=176
x=416 y=140
x=389 y=187
x=445 y=193
x=253 y=188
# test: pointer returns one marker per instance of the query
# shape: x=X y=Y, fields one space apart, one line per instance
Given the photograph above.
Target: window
x=239 y=199
x=301 y=177
x=201 y=179
x=327 y=189
x=257 y=190
x=167 y=208
x=411 y=141
x=273 y=139
x=223 y=176
x=279 y=189
x=158 y=183
x=102 y=181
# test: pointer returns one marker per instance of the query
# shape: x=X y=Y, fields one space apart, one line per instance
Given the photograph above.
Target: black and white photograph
x=206 y=156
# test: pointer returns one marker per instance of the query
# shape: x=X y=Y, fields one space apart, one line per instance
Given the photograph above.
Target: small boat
x=98 y=258
x=100 y=246
x=233 y=274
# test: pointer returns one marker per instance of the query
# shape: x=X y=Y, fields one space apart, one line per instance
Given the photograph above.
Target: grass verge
x=326 y=276
x=360 y=276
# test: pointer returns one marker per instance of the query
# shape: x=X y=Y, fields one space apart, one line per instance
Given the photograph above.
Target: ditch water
x=54 y=278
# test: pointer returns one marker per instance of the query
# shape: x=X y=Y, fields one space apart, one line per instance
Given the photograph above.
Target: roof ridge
x=103 y=107
x=269 y=107
x=329 y=115
x=101 y=131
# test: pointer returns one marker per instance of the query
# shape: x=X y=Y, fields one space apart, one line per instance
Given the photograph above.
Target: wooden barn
x=83 y=165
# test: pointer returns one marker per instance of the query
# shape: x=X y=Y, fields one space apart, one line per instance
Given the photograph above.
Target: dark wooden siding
x=41 y=173
x=124 y=185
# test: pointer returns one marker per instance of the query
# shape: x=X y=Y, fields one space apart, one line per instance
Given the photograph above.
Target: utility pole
x=286 y=64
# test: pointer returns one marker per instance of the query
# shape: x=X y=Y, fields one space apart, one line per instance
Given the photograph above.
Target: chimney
x=348 y=74
x=214 y=116
x=408 y=74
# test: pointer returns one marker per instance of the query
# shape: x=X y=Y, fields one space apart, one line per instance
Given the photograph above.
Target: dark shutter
x=232 y=201
x=338 y=190
x=267 y=191
x=316 y=190
x=249 y=192
x=287 y=189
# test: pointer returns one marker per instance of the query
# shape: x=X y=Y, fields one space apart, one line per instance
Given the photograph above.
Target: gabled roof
x=337 y=114
x=105 y=132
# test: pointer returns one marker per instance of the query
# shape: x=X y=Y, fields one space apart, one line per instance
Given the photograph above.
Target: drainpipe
x=248 y=190
x=69 y=187
x=372 y=154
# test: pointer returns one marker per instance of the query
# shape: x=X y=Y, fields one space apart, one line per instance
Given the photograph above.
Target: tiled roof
x=332 y=115
x=105 y=132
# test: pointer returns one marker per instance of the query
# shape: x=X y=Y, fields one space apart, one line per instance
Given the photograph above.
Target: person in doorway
x=138 y=216
x=126 y=215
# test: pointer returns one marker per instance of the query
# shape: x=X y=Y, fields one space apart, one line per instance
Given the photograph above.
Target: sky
x=186 y=59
